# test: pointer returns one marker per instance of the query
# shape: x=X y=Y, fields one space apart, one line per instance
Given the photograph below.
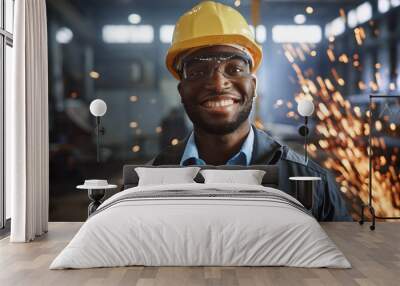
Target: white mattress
x=185 y=230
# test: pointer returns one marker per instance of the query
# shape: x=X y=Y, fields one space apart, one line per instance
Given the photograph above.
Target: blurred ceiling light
x=383 y=6
x=260 y=33
x=299 y=19
x=133 y=124
x=328 y=30
x=134 y=18
x=364 y=12
x=136 y=148
x=64 y=35
x=395 y=3
x=296 y=34
x=338 y=26
x=128 y=34
x=237 y=3
x=166 y=33
x=352 y=18
x=94 y=75
x=133 y=98
x=335 y=28
x=309 y=10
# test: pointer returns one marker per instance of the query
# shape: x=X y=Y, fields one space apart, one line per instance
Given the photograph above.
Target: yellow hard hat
x=208 y=24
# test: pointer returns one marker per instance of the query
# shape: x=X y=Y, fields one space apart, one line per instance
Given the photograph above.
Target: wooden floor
x=375 y=256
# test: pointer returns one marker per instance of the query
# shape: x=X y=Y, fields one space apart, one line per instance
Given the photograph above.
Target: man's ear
x=254 y=80
x=179 y=87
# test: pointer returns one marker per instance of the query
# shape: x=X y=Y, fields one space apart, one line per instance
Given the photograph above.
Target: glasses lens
x=196 y=69
x=236 y=68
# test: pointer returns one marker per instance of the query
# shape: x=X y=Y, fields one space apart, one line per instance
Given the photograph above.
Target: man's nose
x=218 y=82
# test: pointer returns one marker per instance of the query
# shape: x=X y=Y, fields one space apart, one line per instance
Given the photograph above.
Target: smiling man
x=214 y=56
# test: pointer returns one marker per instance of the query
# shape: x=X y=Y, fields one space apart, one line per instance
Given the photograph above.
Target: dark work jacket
x=328 y=204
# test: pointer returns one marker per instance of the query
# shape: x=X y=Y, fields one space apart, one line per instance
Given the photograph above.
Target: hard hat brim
x=214 y=40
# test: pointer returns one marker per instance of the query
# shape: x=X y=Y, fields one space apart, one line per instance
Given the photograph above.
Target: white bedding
x=182 y=230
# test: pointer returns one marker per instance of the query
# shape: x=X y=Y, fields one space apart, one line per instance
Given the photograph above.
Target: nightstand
x=96 y=192
x=305 y=187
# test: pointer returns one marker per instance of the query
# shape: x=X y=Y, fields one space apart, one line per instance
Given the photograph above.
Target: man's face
x=219 y=100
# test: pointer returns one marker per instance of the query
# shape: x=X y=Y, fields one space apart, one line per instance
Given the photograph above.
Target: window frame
x=6 y=39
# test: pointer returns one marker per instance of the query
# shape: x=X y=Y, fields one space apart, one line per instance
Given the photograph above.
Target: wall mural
x=107 y=56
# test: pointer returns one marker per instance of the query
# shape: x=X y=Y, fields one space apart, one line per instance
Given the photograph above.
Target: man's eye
x=235 y=70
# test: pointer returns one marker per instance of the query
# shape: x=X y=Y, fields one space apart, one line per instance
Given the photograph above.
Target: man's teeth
x=219 y=103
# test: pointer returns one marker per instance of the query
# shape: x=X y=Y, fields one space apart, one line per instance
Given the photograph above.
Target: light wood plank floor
x=375 y=256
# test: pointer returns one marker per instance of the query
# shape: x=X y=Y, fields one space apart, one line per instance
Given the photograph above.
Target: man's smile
x=219 y=103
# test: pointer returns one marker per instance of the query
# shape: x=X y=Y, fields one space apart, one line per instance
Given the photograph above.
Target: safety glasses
x=232 y=66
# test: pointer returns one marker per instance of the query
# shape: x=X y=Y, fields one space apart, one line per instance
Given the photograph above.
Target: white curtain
x=27 y=124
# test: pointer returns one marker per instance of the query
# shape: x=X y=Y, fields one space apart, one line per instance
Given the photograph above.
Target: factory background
x=334 y=52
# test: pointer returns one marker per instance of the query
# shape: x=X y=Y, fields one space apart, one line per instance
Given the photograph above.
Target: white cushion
x=95 y=183
x=248 y=177
x=163 y=176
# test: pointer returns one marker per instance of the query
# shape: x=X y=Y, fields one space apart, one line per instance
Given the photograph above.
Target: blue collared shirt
x=243 y=157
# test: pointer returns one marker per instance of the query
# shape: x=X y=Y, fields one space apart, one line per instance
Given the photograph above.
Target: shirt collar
x=243 y=157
